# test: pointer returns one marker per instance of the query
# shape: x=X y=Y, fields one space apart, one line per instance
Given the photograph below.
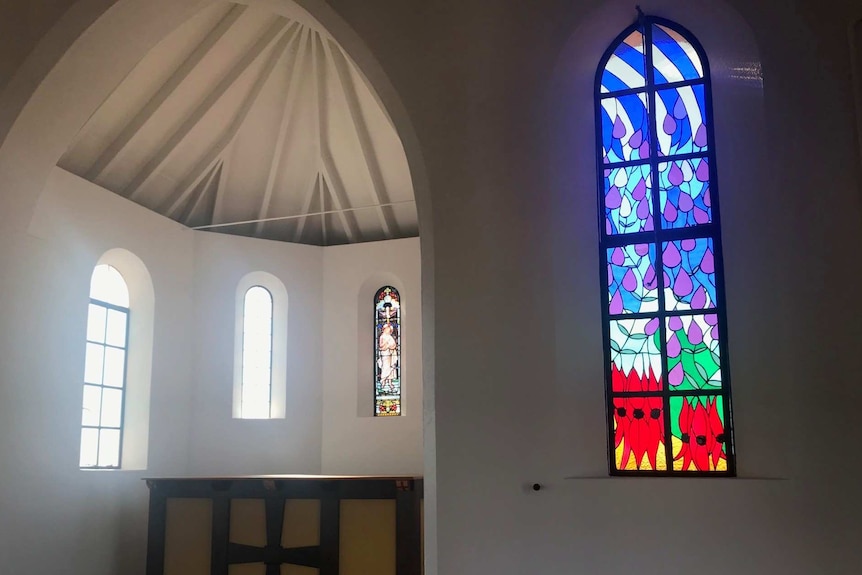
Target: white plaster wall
x=354 y=441
x=221 y=444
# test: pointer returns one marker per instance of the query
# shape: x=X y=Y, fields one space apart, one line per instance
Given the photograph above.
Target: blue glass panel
x=632 y=285
x=681 y=120
x=628 y=202
x=689 y=274
x=674 y=58
x=625 y=68
x=684 y=193
x=625 y=128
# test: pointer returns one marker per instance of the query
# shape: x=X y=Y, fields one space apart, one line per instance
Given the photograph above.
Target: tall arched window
x=257 y=354
x=387 y=352
x=105 y=370
x=667 y=385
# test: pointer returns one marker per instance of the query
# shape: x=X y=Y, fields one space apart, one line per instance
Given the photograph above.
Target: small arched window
x=257 y=354
x=387 y=352
x=105 y=370
x=665 y=334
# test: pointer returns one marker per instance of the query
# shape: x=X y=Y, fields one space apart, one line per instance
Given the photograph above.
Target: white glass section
x=89 y=447
x=93 y=363
x=112 y=407
x=92 y=405
x=116 y=330
x=108 y=285
x=115 y=366
x=96 y=323
x=109 y=448
x=256 y=353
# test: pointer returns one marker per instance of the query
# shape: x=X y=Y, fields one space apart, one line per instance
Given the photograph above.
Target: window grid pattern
x=257 y=354
x=664 y=320
x=387 y=352
x=104 y=385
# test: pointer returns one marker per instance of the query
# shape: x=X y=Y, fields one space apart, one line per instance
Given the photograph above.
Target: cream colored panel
x=367 y=537
x=297 y=570
x=188 y=536
x=248 y=522
x=247 y=569
x=301 y=523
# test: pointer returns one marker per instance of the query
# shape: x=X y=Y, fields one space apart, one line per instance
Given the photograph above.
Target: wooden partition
x=285 y=525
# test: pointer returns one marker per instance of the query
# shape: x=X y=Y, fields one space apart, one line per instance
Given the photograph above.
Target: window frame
x=656 y=238
x=399 y=347
x=271 y=349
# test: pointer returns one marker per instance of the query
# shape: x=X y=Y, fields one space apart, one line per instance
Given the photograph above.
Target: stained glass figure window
x=667 y=380
x=105 y=370
x=387 y=352
x=256 y=354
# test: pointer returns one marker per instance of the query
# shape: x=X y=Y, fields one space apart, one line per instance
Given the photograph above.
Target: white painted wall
x=354 y=441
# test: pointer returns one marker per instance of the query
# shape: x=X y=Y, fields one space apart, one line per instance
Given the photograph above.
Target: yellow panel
x=297 y=570
x=367 y=537
x=247 y=569
x=301 y=523
x=188 y=536
x=248 y=522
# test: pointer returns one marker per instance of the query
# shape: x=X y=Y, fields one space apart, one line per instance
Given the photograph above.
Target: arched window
x=387 y=352
x=257 y=354
x=667 y=384
x=105 y=370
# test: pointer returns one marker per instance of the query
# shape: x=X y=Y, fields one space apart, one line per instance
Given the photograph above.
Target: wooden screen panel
x=248 y=522
x=247 y=569
x=188 y=537
x=301 y=523
x=367 y=537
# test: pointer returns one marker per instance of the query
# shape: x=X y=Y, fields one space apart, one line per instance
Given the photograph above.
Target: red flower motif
x=639 y=428
x=702 y=435
x=633 y=381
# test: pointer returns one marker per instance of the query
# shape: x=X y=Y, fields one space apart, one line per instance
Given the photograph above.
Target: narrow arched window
x=665 y=329
x=257 y=354
x=105 y=370
x=387 y=352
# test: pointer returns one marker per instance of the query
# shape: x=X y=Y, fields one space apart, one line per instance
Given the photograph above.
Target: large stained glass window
x=667 y=385
x=105 y=370
x=387 y=352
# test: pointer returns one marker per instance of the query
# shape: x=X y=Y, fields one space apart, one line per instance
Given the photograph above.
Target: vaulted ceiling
x=253 y=123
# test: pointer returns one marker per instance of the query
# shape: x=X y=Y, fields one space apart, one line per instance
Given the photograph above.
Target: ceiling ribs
x=212 y=155
x=203 y=189
x=306 y=207
x=294 y=78
x=218 y=204
x=109 y=154
x=360 y=130
x=152 y=167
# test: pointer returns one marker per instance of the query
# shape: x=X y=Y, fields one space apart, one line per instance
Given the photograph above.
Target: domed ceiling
x=253 y=123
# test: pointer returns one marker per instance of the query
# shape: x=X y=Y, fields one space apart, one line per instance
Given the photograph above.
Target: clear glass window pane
x=92 y=405
x=96 y=323
x=115 y=365
x=109 y=448
x=107 y=285
x=116 y=332
x=93 y=363
x=112 y=407
x=89 y=447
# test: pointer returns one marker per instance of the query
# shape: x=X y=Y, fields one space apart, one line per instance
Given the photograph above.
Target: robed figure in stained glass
x=387 y=352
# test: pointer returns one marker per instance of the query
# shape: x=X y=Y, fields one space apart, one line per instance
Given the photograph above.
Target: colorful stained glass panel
x=387 y=352
x=639 y=433
x=625 y=128
x=698 y=433
x=693 y=353
x=635 y=355
x=684 y=193
x=632 y=284
x=625 y=67
x=628 y=201
x=689 y=274
x=674 y=58
x=681 y=121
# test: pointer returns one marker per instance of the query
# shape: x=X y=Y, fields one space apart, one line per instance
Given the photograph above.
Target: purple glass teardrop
x=619 y=128
x=679 y=111
x=700 y=136
x=707 y=263
x=609 y=228
x=640 y=190
x=675 y=377
x=674 y=323
x=641 y=249
x=648 y=226
x=711 y=319
x=643 y=152
x=613 y=199
x=618 y=257
x=695 y=335
x=688 y=245
x=643 y=209
x=682 y=286
x=616 y=306
x=702 y=171
x=670 y=213
x=707 y=199
x=636 y=140
x=673 y=346
x=675 y=176
x=685 y=202
x=651 y=326
x=671 y=256
x=669 y=125
x=700 y=216
x=714 y=333
x=630 y=282
x=649 y=278
x=698 y=300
